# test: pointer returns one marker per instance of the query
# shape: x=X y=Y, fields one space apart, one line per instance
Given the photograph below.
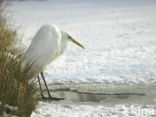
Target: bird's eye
x=69 y=37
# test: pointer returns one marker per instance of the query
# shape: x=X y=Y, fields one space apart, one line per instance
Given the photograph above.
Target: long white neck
x=63 y=47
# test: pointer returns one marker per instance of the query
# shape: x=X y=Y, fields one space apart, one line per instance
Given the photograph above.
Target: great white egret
x=48 y=43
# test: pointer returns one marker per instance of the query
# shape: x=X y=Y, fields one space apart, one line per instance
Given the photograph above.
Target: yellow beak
x=77 y=43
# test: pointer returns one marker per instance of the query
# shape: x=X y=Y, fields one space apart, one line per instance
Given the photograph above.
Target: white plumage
x=48 y=43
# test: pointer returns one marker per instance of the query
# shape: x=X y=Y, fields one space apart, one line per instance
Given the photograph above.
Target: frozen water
x=120 y=38
x=120 y=41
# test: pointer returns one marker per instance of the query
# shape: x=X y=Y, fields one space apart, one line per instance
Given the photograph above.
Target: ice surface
x=120 y=41
x=120 y=38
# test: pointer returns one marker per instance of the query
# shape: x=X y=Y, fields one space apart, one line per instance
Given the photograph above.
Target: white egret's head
x=66 y=36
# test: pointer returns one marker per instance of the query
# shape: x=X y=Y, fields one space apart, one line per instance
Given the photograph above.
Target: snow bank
x=57 y=110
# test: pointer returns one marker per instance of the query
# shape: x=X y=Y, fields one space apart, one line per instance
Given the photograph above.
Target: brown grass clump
x=17 y=87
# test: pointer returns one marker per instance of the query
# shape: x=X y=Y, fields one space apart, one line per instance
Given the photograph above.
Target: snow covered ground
x=58 y=110
x=120 y=41
x=120 y=38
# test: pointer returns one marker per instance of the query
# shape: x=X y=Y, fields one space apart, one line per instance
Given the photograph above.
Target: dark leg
x=40 y=87
x=45 y=84
x=53 y=98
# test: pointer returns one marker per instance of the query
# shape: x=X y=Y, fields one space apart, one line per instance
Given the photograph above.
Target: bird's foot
x=51 y=98
x=55 y=98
